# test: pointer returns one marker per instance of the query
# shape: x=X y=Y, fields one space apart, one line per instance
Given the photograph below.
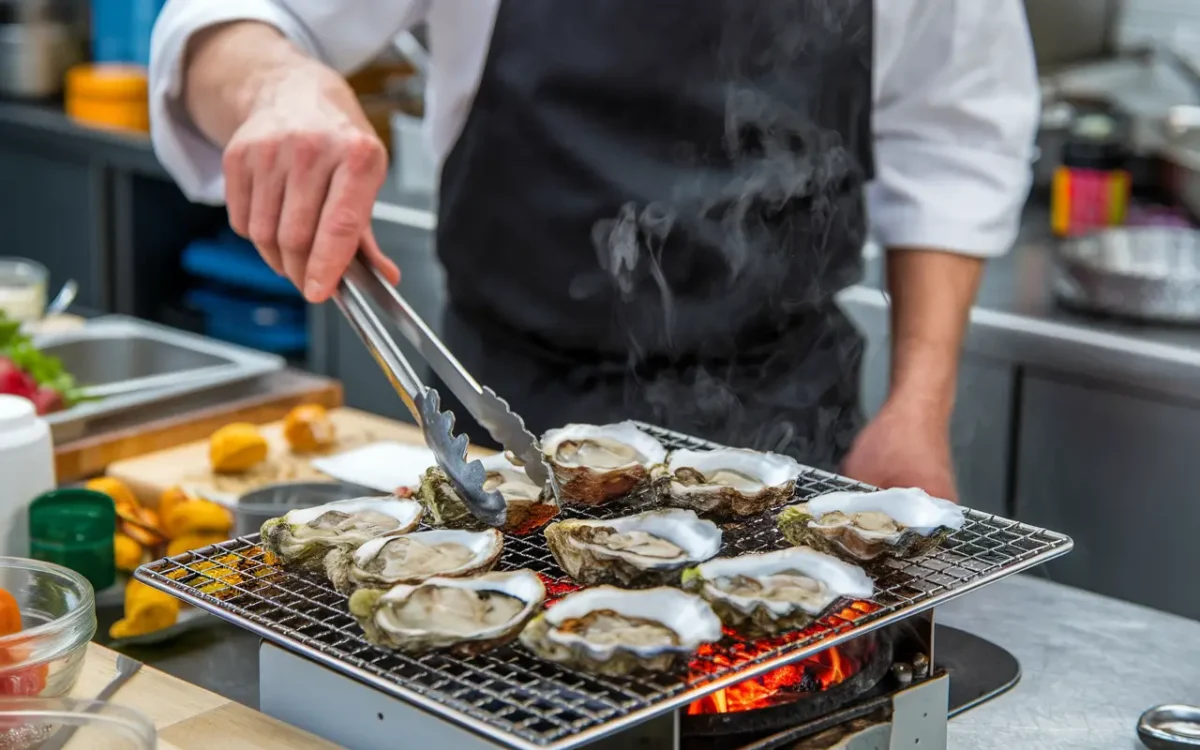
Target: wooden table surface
x=187 y=717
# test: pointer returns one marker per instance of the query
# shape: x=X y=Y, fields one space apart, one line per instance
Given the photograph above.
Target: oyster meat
x=727 y=481
x=303 y=537
x=773 y=592
x=411 y=558
x=464 y=615
x=611 y=631
x=597 y=463
x=869 y=526
x=647 y=549
x=529 y=506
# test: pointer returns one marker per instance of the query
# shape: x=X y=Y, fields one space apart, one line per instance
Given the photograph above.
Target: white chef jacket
x=955 y=85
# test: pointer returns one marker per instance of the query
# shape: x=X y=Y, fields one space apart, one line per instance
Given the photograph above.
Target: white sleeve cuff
x=193 y=160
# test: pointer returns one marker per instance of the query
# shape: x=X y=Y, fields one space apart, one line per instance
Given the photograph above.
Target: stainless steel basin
x=128 y=363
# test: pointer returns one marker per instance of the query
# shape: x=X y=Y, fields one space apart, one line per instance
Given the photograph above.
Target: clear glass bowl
x=58 y=617
x=27 y=723
x=23 y=288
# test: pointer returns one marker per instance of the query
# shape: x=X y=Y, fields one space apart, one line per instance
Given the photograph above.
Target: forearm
x=226 y=69
x=931 y=297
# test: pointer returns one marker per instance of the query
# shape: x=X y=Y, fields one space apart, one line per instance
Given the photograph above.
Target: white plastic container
x=26 y=470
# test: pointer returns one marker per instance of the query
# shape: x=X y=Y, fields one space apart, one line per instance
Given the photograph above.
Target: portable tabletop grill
x=508 y=697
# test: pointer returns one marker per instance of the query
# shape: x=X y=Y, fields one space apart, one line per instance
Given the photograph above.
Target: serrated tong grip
x=359 y=285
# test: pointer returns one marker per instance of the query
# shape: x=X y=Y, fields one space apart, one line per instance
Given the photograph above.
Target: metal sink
x=128 y=363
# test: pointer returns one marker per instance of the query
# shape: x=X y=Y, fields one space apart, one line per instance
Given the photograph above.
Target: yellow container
x=109 y=96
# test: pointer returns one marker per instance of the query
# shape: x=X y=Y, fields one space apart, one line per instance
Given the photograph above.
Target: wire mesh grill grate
x=522 y=701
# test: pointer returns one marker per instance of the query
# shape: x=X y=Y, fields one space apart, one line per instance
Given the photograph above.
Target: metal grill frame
x=514 y=698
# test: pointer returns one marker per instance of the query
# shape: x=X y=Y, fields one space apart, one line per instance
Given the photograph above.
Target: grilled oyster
x=648 y=549
x=611 y=631
x=464 y=615
x=412 y=558
x=869 y=526
x=728 y=481
x=773 y=592
x=596 y=463
x=529 y=506
x=302 y=537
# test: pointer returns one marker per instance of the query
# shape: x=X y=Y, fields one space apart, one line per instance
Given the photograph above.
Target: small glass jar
x=23 y=289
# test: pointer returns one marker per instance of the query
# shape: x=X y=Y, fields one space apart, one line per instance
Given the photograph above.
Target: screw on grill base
x=920 y=666
x=903 y=673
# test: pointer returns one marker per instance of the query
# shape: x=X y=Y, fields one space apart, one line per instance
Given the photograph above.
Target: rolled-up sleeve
x=957 y=102
x=343 y=34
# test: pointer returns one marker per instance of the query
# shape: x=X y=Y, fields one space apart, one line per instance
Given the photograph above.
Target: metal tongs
x=361 y=284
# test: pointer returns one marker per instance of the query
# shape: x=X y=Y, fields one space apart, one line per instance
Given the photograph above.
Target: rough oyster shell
x=774 y=592
x=411 y=558
x=647 y=549
x=727 y=481
x=464 y=615
x=302 y=537
x=611 y=631
x=868 y=526
x=529 y=506
x=597 y=463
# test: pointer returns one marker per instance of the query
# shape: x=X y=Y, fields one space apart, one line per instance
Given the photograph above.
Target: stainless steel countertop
x=1090 y=666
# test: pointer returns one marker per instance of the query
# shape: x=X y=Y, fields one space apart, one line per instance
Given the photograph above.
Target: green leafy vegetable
x=46 y=370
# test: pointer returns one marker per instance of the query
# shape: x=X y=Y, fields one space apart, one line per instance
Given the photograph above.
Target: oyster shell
x=611 y=631
x=411 y=558
x=529 y=506
x=869 y=526
x=648 y=549
x=464 y=615
x=303 y=537
x=597 y=463
x=728 y=481
x=773 y=592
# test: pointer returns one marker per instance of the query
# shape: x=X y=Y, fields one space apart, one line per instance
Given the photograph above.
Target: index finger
x=345 y=215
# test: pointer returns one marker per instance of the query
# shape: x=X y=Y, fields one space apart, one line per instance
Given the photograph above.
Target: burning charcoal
x=810 y=683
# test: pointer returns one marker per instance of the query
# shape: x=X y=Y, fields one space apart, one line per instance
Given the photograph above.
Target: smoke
x=749 y=239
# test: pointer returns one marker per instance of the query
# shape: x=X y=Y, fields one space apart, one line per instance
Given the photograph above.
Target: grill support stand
x=301 y=692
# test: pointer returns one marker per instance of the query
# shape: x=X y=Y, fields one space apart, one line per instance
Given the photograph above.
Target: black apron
x=649 y=210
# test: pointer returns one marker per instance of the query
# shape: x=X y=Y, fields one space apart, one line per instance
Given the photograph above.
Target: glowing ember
x=557 y=588
x=792 y=682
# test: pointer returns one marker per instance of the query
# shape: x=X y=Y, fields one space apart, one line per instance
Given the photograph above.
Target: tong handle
x=356 y=286
x=409 y=323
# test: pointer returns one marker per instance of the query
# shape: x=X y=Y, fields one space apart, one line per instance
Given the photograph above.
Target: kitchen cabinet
x=337 y=350
x=54 y=213
x=979 y=430
x=1115 y=470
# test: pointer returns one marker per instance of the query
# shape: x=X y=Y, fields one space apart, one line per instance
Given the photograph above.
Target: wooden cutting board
x=188 y=464
x=187 y=717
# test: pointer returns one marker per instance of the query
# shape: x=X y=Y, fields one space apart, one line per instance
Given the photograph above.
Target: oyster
x=596 y=463
x=773 y=592
x=412 y=558
x=727 y=481
x=529 y=506
x=303 y=537
x=465 y=615
x=869 y=526
x=611 y=631
x=649 y=549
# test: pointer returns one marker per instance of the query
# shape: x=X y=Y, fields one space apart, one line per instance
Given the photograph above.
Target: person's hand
x=904 y=447
x=302 y=172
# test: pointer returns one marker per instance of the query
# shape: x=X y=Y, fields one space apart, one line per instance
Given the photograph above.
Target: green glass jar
x=74 y=528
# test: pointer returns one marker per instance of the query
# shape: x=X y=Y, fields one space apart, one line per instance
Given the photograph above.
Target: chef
x=645 y=207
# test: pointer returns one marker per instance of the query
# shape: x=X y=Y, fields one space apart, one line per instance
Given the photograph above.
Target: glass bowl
x=26 y=723
x=58 y=618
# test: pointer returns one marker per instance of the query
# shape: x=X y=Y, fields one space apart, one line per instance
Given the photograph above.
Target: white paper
x=380 y=466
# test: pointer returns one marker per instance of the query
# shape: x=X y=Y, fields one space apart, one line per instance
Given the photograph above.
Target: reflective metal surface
x=520 y=700
x=1170 y=727
x=1149 y=273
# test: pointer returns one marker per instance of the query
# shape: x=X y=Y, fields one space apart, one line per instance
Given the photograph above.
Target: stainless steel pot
x=39 y=41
